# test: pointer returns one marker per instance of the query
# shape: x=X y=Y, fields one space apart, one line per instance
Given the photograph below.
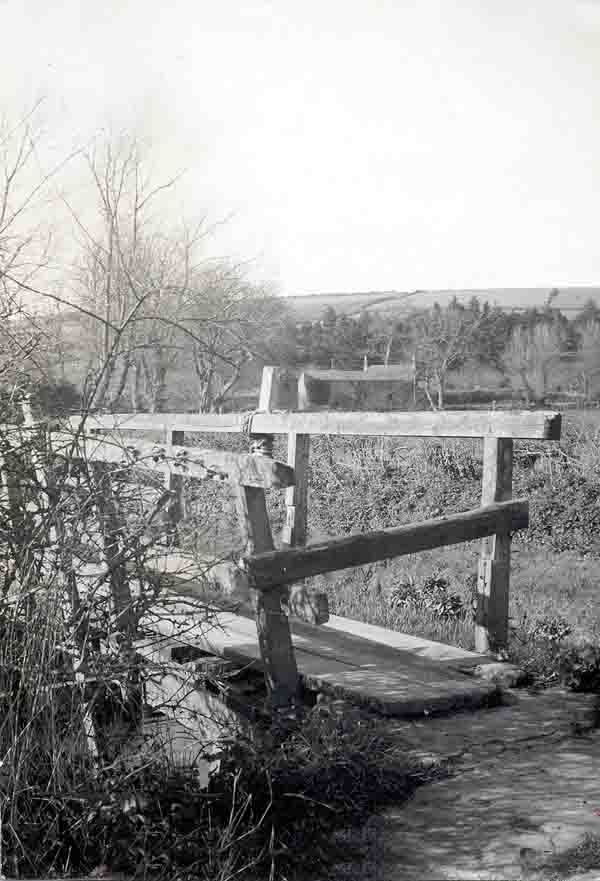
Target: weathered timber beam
x=370 y=375
x=210 y=423
x=536 y=425
x=277 y=568
x=242 y=468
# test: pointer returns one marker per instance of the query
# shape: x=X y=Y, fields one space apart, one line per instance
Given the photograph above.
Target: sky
x=351 y=146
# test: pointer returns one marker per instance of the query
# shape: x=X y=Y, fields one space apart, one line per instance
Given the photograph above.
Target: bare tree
x=531 y=354
x=589 y=353
x=23 y=247
x=444 y=338
x=127 y=264
x=231 y=322
x=187 y=307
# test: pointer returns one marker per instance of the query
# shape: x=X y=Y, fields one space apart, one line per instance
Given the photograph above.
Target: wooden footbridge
x=394 y=672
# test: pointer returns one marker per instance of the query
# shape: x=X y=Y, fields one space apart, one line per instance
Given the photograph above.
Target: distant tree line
x=534 y=352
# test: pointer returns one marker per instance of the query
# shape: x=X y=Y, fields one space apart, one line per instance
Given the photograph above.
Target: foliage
x=272 y=806
x=534 y=350
x=55 y=399
x=551 y=628
x=446 y=338
x=579 y=668
x=432 y=595
x=589 y=353
x=565 y=514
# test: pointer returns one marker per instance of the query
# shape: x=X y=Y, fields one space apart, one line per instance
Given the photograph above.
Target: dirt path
x=524 y=791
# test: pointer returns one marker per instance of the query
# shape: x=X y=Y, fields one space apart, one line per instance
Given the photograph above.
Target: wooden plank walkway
x=393 y=681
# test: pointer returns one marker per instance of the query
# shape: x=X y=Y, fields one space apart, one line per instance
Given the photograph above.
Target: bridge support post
x=294 y=531
x=493 y=580
x=274 y=636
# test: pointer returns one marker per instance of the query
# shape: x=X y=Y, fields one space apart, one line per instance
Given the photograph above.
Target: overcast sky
x=358 y=145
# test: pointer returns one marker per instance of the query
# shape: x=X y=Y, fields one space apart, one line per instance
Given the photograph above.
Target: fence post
x=274 y=636
x=269 y=389
x=296 y=497
x=491 y=625
x=174 y=483
x=294 y=530
x=111 y=530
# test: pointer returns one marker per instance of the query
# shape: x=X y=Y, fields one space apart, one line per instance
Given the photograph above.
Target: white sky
x=360 y=145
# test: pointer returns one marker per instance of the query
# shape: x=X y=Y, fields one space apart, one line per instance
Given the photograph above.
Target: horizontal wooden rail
x=371 y=374
x=536 y=425
x=276 y=568
x=243 y=468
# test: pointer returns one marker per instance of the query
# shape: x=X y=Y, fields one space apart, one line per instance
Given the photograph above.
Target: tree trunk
x=137 y=401
x=428 y=394
x=101 y=392
x=440 y=392
x=159 y=398
x=526 y=386
x=205 y=397
x=122 y=381
x=388 y=350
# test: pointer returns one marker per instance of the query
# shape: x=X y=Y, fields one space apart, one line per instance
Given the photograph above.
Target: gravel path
x=523 y=793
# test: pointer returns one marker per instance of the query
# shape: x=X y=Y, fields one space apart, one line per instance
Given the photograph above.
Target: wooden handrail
x=281 y=567
x=536 y=424
x=242 y=468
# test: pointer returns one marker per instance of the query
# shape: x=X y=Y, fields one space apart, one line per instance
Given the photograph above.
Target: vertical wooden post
x=269 y=389
x=125 y=622
x=491 y=626
x=110 y=527
x=302 y=392
x=174 y=514
x=274 y=637
x=296 y=497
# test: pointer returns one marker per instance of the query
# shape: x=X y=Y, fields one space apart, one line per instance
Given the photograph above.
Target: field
x=398 y=303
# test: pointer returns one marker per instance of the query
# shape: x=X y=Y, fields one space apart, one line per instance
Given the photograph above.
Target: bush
x=579 y=668
x=49 y=398
x=433 y=596
x=274 y=807
x=553 y=629
x=565 y=515
x=55 y=399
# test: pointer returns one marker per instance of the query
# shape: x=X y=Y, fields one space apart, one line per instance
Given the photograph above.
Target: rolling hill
x=310 y=307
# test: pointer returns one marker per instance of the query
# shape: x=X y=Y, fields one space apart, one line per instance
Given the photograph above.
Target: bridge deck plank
x=344 y=665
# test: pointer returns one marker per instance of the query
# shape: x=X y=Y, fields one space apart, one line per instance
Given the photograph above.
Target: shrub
x=455 y=460
x=55 y=399
x=554 y=628
x=433 y=596
x=274 y=807
x=579 y=668
x=565 y=515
